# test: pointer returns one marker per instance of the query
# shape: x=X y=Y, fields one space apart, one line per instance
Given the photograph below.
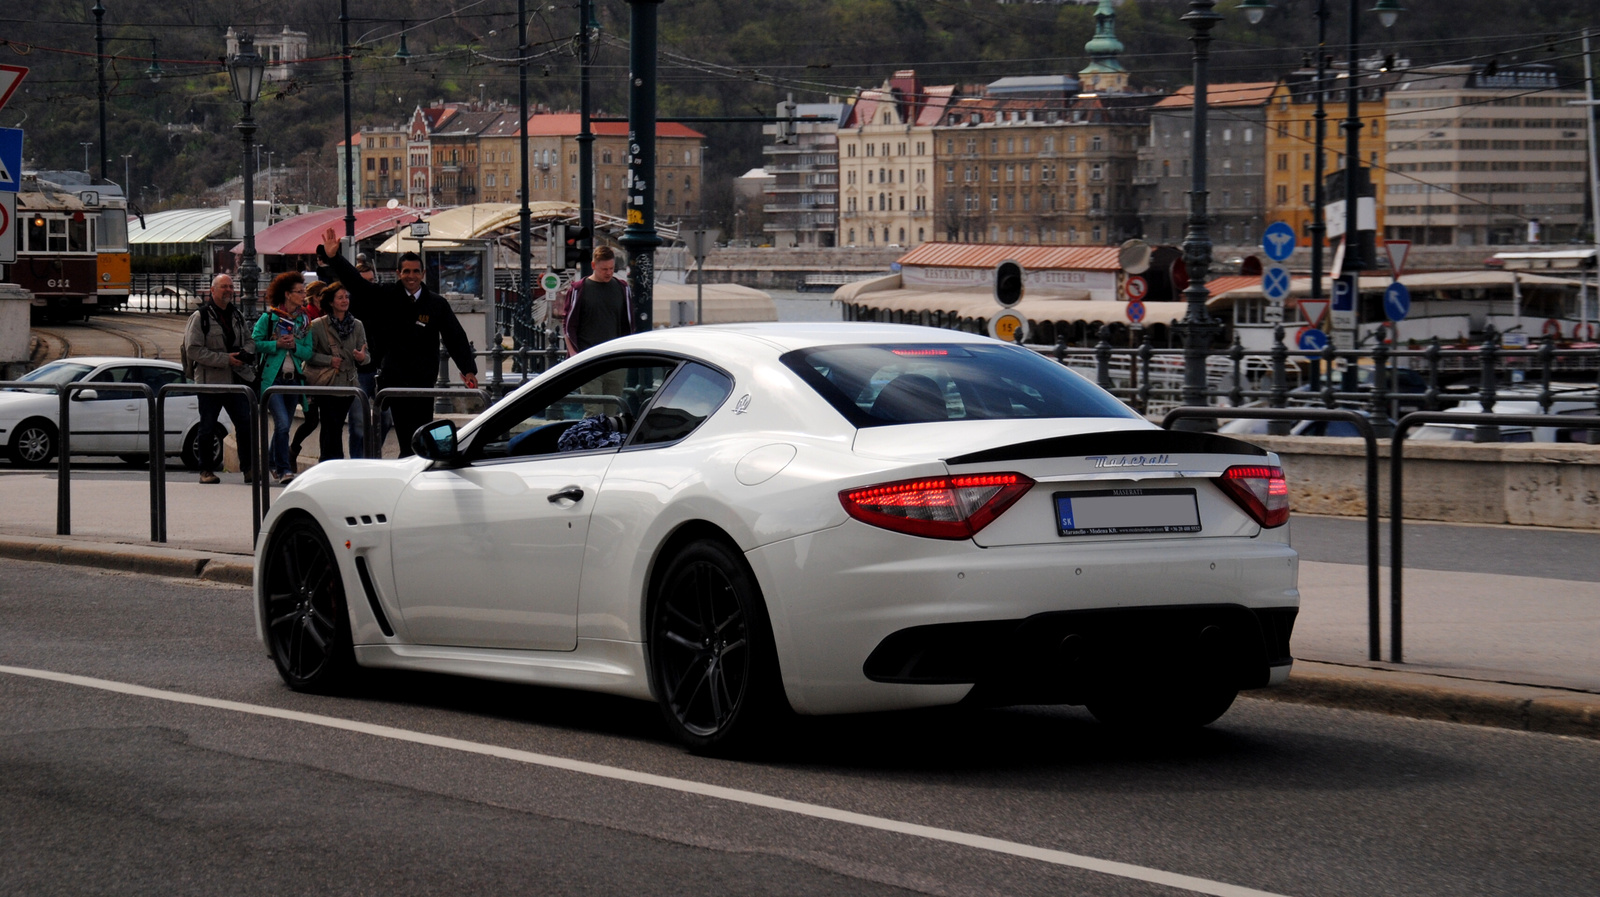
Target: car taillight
x=1261 y=491
x=937 y=507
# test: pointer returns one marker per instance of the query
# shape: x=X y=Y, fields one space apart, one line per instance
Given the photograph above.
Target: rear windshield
x=878 y=385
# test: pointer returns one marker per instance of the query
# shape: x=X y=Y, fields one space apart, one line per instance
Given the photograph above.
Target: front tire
x=713 y=665
x=307 y=622
x=33 y=443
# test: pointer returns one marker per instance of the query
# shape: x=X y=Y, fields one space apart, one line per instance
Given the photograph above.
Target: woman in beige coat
x=339 y=341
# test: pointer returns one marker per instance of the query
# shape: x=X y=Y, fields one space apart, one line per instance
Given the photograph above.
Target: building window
x=1011 y=173
x=1096 y=144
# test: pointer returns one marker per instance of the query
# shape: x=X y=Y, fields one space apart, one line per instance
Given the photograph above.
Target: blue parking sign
x=10 y=159
x=1344 y=294
x=1278 y=241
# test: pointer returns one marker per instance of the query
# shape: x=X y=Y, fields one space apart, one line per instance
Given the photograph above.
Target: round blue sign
x=1275 y=283
x=1136 y=311
x=1278 y=240
x=1396 y=301
x=1313 y=340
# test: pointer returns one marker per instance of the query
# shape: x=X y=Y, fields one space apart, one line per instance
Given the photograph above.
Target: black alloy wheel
x=712 y=661
x=192 y=459
x=308 y=626
x=33 y=443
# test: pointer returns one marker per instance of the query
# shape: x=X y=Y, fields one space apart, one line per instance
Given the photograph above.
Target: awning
x=447 y=228
x=179 y=226
x=302 y=234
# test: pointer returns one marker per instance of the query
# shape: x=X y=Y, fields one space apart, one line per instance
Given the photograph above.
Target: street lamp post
x=640 y=238
x=1198 y=329
x=587 y=26
x=100 y=80
x=349 y=135
x=247 y=69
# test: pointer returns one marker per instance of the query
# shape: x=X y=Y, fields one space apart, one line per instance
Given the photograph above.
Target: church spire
x=1104 y=74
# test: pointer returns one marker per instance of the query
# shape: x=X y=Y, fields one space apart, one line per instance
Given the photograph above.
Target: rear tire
x=33 y=443
x=713 y=665
x=191 y=449
x=307 y=622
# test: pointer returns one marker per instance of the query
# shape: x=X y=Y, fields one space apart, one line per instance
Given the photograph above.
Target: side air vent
x=372 y=596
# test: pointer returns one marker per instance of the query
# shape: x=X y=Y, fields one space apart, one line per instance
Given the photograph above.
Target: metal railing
x=1370 y=437
x=1397 y=492
x=158 y=459
x=262 y=482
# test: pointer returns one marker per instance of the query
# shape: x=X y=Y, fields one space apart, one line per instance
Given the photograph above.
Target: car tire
x=713 y=664
x=33 y=443
x=1164 y=708
x=307 y=622
x=191 y=449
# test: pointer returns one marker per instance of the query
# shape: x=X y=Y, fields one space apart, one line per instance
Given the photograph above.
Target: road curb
x=172 y=562
x=1503 y=705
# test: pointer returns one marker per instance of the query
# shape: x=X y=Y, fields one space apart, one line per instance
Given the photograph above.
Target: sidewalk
x=1509 y=651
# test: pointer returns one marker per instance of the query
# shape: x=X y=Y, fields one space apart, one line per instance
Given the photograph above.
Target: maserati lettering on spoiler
x=1132 y=461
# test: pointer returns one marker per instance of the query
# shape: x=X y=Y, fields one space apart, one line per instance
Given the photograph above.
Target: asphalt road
x=1508 y=550
x=430 y=784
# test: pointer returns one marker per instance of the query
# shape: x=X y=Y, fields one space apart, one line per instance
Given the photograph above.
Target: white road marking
x=684 y=786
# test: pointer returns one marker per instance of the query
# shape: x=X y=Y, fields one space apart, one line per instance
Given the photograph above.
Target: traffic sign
x=1136 y=311
x=1312 y=340
x=1137 y=288
x=10 y=159
x=1313 y=310
x=1398 y=250
x=1278 y=240
x=1344 y=295
x=550 y=281
x=1134 y=256
x=1006 y=325
x=1396 y=301
x=1275 y=283
x=8 y=220
x=10 y=77
x=1180 y=276
x=1273 y=313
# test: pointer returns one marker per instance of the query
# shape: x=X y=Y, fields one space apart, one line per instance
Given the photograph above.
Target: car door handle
x=571 y=493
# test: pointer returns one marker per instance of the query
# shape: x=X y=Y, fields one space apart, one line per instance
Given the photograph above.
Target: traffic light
x=1008 y=283
x=575 y=250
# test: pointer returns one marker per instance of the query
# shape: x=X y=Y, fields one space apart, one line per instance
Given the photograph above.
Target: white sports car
x=105 y=420
x=743 y=521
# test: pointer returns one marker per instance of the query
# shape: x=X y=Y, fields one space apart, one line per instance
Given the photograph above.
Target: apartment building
x=1484 y=155
x=886 y=162
x=1048 y=170
x=1290 y=181
x=1236 y=151
x=802 y=208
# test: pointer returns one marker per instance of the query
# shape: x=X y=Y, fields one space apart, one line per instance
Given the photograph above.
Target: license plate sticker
x=1111 y=512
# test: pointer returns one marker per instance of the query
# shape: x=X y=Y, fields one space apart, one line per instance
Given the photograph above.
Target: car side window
x=119 y=374
x=688 y=400
x=611 y=395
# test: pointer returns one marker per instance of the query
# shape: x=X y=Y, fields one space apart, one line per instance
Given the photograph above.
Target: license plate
x=1111 y=512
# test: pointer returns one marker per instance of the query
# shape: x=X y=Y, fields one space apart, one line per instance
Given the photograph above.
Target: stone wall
x=781 y=269
x=1538 y=484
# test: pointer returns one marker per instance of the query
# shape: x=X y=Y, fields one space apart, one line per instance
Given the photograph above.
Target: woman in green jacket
x=283 y=343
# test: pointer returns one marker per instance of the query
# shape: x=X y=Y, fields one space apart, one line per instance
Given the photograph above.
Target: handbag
x=321 y=375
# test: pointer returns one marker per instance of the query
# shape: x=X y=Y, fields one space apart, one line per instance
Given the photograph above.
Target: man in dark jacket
x=405 y=323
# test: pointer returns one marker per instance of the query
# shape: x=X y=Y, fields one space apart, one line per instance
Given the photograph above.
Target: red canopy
x=302 y=234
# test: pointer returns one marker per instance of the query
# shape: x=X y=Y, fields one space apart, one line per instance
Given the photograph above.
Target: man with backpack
x=217 y=349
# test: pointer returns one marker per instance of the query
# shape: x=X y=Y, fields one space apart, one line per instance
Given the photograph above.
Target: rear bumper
x=1071 y=657
x=836 y=595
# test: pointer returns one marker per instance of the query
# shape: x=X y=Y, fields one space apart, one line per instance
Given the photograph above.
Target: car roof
x=98 y=360
x=790 y=336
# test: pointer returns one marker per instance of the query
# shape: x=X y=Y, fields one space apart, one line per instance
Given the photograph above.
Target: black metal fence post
x=1102 y=358
x=1432 y=354
x=1488 y=354
x=1236 y=363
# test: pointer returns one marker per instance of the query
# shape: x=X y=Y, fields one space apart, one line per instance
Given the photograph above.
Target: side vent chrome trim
x=372 y=596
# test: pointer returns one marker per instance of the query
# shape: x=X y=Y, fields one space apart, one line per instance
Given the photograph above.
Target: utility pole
x=640 y=238
x=100 y=80
x=1198 y=329
x=525 y=225
x=585 y=132
x=350 y=143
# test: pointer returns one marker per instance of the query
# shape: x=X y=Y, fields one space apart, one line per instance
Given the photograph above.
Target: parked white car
x=1569 y=399
x=741 y=521
x=105 y=420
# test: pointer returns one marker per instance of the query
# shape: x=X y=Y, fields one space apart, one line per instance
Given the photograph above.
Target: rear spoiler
x=1139 y=444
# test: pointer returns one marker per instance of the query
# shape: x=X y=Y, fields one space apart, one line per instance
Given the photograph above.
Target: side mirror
x=437 y=442
x=85 y=395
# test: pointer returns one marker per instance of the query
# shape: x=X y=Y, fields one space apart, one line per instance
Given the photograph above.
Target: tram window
x=78 y=235
x=36 y=232
x=112 y=233
x=58 y=234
